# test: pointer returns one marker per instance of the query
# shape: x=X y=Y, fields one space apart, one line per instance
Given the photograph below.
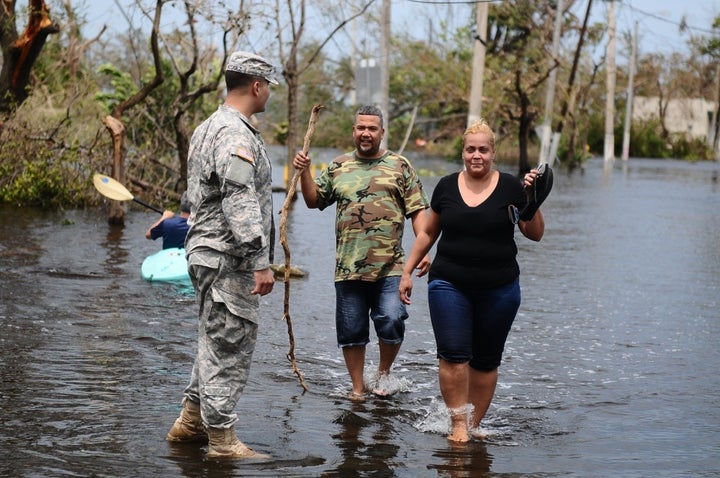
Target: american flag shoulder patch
x=246 y=154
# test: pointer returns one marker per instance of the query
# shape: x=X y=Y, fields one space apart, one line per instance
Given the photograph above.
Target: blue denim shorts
x=358 y=301
x=472 y=326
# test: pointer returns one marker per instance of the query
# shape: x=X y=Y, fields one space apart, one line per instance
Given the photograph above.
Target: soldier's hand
x=264 y=281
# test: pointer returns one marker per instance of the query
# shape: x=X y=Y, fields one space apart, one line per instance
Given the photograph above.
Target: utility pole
x=714 y=123
x=609 y=149
x=545 y=149
x=478 y=69
x=385 y=70
x=630 y=96
x=353 y=61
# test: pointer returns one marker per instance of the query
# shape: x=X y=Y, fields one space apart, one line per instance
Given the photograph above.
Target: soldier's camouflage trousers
x=226 y=341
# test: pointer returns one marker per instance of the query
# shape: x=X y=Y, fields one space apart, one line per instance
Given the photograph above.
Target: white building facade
x=690 y=116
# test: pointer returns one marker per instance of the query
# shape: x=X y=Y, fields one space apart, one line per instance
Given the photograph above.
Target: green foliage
x=280 y=132
x=334 y=129
x=440 y=94
x=120 y=88
x=596 y=134
x=150 y=126
x=691 y=149
x=712 y=47
x=456 y=149
x=579 y=155
x=47 y=154
x=45 y=181
x=646 y=141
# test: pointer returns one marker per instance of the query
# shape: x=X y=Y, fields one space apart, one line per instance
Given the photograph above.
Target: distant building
x=690 y=116
x=367 y=82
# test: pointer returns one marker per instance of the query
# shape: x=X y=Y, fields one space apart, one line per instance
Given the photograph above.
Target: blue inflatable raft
x=167 y=265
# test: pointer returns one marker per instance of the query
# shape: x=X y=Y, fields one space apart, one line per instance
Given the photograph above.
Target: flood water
x=611 y=368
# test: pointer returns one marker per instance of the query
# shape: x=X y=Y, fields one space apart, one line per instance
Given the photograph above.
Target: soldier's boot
x=188 y=427
x=224 y=443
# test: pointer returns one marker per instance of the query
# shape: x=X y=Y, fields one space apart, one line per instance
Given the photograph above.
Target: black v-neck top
x=476 y=248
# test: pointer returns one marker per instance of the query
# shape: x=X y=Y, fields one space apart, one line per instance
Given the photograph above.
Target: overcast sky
x=658 y=20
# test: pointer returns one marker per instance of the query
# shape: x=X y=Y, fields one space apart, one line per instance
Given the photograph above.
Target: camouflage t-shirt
x=373 y=199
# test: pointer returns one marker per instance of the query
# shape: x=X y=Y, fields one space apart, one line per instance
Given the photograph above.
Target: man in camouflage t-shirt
x=374 y=190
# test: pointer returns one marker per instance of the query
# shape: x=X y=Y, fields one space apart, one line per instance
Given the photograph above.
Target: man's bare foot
x=356 y=397
x=382 y=387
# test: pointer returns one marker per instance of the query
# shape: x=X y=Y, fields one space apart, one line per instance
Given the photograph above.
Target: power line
x=454 y=2
x=681 y=24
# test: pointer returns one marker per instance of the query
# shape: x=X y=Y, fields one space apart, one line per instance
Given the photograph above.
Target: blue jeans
x=472 y=326
x=356 y=300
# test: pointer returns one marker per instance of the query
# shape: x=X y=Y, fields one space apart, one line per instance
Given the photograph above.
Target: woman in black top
x=473 y=288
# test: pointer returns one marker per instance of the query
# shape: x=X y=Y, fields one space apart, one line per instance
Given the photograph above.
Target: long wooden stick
x=286 y=247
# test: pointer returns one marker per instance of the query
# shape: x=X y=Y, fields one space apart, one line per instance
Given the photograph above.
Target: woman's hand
x=424 y=266
x=529 y=180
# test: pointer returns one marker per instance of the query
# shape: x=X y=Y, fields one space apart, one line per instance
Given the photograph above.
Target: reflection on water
x=610 y=369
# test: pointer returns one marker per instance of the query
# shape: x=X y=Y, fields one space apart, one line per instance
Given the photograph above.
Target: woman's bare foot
x=459 y=436
x=458 y=425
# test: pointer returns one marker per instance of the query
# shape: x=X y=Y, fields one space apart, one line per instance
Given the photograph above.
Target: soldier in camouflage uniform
x=375 y=191
x=229 y=248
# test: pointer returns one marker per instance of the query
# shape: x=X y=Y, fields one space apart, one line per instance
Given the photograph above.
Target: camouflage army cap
x=251 y=64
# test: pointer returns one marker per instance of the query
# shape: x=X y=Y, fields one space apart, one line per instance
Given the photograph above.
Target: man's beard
x=368 y=150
